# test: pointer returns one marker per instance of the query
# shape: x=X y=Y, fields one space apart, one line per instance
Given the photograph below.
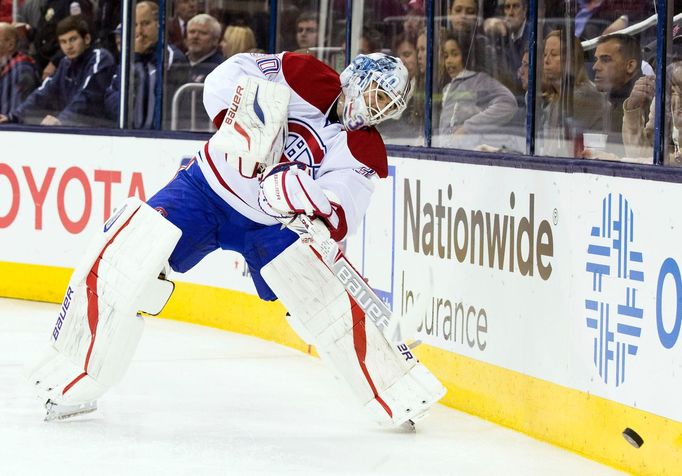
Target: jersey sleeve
x=349 y=172
x=220 y=84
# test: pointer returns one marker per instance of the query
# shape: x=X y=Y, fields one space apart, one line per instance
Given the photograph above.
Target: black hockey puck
x=632 y=437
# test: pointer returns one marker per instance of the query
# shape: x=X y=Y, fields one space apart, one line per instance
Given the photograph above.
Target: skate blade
x=63 y=412
x=408 y=427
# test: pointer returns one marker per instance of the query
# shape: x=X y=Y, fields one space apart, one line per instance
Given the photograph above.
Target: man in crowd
x=18 y=73
x=512 y=29
x=617 y=66
x=203 y=37
x=177 y=25
x=144 y=71
x=306 y=30
x=74 y=95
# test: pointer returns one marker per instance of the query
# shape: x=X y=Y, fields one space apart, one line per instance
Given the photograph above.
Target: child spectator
x=474 y=104
x=18 y=73
x=75 y=94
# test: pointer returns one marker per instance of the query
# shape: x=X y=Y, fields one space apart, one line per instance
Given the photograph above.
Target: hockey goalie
x=288 y=173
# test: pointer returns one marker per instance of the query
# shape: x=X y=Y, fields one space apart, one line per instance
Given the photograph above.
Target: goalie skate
x=62 y=412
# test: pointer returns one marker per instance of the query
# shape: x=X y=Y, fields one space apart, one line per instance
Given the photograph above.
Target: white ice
x=198 y=401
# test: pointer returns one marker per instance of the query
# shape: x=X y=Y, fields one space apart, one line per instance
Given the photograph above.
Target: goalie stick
x=395 y=330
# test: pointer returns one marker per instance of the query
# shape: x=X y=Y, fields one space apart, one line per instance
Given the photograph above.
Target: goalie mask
x=376 y=87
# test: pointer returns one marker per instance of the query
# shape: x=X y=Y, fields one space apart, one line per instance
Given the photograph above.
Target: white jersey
x=343 y=163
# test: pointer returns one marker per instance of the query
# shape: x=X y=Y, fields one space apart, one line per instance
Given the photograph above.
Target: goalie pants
x=208 y=223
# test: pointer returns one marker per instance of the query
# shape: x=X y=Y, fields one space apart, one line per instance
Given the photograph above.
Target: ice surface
x=198 y=401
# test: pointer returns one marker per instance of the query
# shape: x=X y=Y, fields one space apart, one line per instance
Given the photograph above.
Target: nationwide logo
x=615 y=267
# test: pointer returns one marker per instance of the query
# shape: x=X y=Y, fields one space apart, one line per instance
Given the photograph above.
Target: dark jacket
x=144 y=86
x=200 y=70
x=18 y=77
x=75 y=94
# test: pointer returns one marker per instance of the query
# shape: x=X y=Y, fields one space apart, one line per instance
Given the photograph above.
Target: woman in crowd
x=237 y=39
x=571 y=103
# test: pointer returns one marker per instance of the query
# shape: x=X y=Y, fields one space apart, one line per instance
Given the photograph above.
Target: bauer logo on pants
x=362 y=294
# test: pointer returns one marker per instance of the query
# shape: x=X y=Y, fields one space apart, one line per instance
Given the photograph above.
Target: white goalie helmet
x=376 y=87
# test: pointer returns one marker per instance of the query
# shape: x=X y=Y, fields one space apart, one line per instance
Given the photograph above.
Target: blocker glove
x=287 y=190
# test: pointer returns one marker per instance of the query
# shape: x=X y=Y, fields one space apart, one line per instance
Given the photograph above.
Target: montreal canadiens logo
x=304 y=144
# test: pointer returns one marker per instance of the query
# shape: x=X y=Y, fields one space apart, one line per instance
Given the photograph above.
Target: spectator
x=237 y=39
x=464 y=22
x=522 y=72
x=18 y=74
x=144 y=71
x=45 y=41
x=306 y=30
x=572 y=105
x=601 y=17
x=5 y=11
x=474 y=104
x=203 y=36
x=406 y=129
x=30 y=13
x=638 y=126
x=74 y=95
x=370 y=41
x=617 y=61
x=510 y=30
x=414 y=19
x=405 y=49
x=107 y=16
x=177 y=25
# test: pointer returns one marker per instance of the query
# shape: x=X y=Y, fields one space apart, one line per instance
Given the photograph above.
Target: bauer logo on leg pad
x=62 y=313
x=405 y=350
x=362 y=294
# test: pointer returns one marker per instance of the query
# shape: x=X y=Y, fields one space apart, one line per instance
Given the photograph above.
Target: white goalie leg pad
x=98 y=329
x=254 y=131
x=386 y=378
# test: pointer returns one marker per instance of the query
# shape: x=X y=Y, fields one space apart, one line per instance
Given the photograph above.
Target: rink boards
x=552 y=302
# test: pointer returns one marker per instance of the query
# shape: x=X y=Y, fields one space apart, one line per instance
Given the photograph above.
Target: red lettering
x=137 y=186
x=7 y=220
x=74 y=173
x=107 y=177
x=38 y=194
